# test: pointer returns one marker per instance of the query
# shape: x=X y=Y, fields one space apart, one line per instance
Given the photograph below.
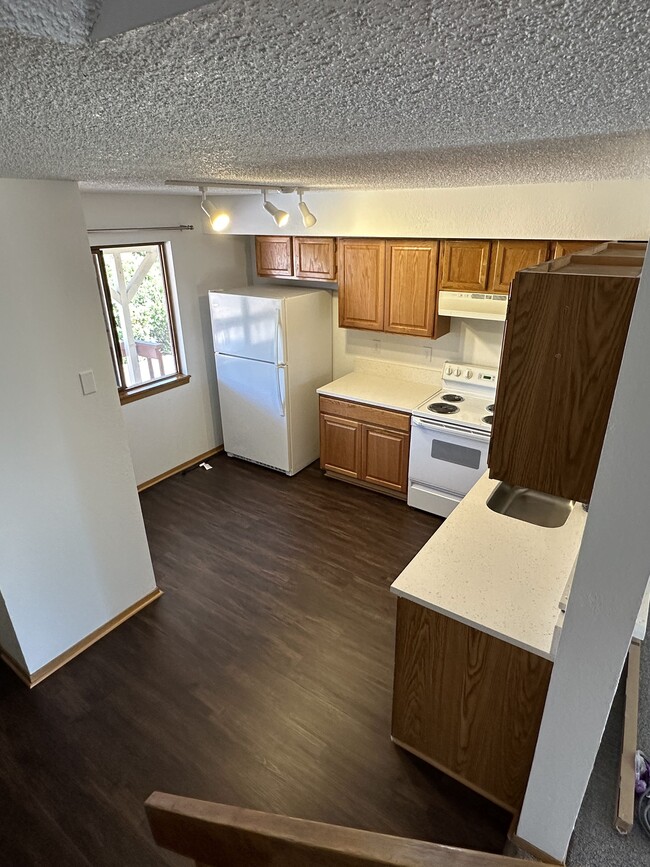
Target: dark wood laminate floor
x=261 y=678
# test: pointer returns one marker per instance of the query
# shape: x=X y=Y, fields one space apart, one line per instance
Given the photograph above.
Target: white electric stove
x=450 y=436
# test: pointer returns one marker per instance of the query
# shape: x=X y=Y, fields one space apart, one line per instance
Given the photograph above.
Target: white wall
x=73 y=551
x=596 y=210
x=610 y=579
x=472 y=341
x=172 y=427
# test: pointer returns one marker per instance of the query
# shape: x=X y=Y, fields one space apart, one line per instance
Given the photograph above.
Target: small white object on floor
x=206 y=466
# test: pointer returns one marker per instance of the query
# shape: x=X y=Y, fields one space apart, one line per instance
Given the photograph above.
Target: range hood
x=473 y=305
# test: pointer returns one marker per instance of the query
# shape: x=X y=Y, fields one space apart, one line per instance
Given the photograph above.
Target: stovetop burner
x=443 y=408
x=488 y=419
x=453 y=398
x=490 y=408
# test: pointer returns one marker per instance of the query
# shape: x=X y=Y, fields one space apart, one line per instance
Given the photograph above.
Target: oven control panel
x=469 y=374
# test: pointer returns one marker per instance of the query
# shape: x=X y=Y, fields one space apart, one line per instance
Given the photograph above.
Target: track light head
x=281 y=217
x=219 y=220
x=308 y=219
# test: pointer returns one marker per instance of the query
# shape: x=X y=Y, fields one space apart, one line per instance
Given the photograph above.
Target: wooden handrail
x=218 y=834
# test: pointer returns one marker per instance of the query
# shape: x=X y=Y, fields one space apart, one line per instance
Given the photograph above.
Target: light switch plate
x=87 y=378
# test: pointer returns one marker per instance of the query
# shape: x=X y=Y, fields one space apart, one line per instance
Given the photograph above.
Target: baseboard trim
x=452 y=774
x=533 y=851
x=179 y=468
x=378 y=489
x=36 y=677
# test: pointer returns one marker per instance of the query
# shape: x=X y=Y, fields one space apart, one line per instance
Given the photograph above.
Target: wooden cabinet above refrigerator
x=565 y=334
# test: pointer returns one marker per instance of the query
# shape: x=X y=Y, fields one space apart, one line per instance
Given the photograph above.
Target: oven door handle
x=458 y=431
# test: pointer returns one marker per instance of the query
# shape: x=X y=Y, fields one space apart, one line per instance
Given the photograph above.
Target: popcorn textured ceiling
x=330 y=93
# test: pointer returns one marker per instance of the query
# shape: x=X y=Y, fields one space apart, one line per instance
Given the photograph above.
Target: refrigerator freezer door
x=254 y=411
x=247 y=327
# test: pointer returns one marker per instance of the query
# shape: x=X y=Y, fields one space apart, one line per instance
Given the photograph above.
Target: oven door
x=445 y=457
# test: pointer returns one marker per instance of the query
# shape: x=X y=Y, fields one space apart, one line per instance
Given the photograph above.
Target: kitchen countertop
x=496 y=573
x=389 y=392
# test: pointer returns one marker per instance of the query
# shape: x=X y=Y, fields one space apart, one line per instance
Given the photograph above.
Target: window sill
x=149 y=388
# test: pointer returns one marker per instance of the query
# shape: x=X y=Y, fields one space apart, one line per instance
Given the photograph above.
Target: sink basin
x=533 y=507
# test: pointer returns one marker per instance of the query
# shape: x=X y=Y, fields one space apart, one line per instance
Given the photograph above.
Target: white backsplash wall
x=415 y=358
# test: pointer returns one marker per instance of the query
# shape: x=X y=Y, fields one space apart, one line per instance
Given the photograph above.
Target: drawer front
x=362 y=412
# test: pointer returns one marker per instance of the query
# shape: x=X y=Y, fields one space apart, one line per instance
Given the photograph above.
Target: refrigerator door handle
x=278 y=368
x=279 y=336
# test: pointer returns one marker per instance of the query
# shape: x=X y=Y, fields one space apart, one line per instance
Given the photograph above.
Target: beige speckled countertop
x=496 y=573
x=385 y=391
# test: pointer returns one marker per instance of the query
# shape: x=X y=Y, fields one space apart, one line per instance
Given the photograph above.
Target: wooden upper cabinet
x=411 y=268
x=564 y=339
x=274 y=255
x=508 y=257
x=361 y=277
x=464 y=265
x=565 y=248
x=314 y=258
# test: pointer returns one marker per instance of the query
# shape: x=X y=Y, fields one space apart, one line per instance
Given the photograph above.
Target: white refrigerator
x=273 y=349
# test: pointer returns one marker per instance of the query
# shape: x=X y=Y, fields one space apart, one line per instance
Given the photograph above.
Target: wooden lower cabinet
x=467 y=702
x=365 y=444
x=384 y=457
x=340 y=445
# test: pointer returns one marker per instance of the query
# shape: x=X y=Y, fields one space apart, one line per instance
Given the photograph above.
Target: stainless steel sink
x=534 y=507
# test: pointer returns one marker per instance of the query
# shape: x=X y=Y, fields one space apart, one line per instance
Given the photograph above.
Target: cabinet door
x=273 y=254
x=362 y=268
x=411 y=287
x=508 y=257
x=467 y=702
x=314 y=258
x=565 y=248
x=340 y=445
x=384 y=457
x=464 y=265
x=562 y=350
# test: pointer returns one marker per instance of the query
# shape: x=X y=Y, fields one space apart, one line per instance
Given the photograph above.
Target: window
x=140 y=318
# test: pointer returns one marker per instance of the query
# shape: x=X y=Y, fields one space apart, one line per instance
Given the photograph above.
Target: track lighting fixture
x=308 y=219
x=219 y=220
x=281 y=217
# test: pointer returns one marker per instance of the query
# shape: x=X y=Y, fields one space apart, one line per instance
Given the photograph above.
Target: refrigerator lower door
x=247 y=327
x=254 y=412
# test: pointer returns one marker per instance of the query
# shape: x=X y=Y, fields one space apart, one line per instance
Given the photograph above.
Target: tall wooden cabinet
x=366 y=444
x=390 y=286
x=410 y=303
x=564 y=339
x=361 y=275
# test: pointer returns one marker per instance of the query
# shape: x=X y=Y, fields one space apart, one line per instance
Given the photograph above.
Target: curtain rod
x=181 y=228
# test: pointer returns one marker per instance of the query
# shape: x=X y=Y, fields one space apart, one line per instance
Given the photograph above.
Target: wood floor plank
x=261 y=678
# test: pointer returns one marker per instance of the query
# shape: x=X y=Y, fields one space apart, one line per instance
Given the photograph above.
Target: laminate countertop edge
x=387 y=392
